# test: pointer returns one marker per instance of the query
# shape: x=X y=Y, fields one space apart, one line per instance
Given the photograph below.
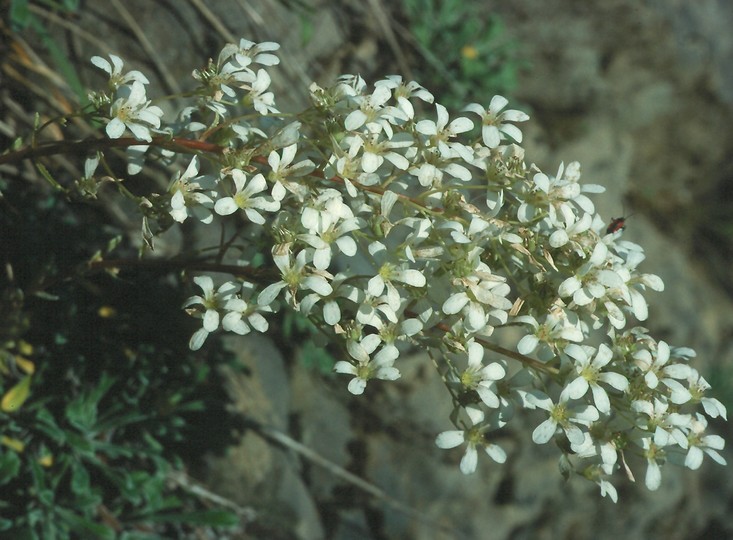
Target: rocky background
x=641 y=93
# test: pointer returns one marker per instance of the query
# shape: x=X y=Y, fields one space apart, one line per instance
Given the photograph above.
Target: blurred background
x=640 y=92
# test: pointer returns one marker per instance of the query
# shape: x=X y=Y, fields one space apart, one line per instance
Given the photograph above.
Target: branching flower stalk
x=391 y=232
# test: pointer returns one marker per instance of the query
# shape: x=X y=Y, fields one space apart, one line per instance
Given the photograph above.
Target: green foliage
x=468 y=57
x=310 y=345
x=116 y=398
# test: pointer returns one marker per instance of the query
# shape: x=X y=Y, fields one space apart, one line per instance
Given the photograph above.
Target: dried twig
x=281 y=438
x=150 y=50
x=185 y=482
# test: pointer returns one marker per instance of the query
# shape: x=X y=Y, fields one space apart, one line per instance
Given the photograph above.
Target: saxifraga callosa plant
x=465 y=245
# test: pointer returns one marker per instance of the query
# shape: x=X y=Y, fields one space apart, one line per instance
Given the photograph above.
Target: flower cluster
x=388 y=229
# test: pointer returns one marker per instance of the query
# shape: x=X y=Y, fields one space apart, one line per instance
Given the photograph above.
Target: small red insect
x=616 y=225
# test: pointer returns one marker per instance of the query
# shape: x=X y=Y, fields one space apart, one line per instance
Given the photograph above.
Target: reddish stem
x=84 y=146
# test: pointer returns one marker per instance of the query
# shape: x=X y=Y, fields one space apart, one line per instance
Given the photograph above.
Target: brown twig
x=172 y=265
x=84 y=146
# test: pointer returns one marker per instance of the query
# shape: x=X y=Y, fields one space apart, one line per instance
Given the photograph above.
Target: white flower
x=569 y=229
x=403 y=92
x=377 y=149
x=262 y=101
x=373 y=113
x=589 y=375
x=335 y=235
x=701 y=444
x=656 y=368
x=482 y=378
x=243 y=314
x=495 y=124
x=440 y=133
x=555 y=329
x=653 y=454
x=388 y=273
x=191 y=195
x=133 y=111
x=591 y=281
x=604 y=449
x=477 y=294
x=248 y=52
x=698 y=386
x=295 y=276
x=114 y=69
x=380 y=366
x=282 y=171
x=564 y=416
x=211 y=303
x=244 y=198
x=558 y=195
x=475 y=438
x=667 y=427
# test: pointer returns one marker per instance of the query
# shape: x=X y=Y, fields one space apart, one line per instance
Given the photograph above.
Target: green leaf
x=134 y=535
x=213 y=518
x=82 y=411
x=9 y=466
x=63 y=65
x=20 y=15
x=79 y=480
x=46 y=423
x=16 y=396
x=47 y=175
x=80 y=444
x=85 y=527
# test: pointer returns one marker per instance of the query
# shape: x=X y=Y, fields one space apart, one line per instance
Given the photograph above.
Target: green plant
x=467 y=55
x=99 y=406
x=387 y=230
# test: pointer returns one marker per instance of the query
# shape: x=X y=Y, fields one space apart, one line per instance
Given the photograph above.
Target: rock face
x=641 y=93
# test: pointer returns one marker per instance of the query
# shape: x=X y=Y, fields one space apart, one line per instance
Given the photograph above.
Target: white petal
x=577 y=388
x=489 y=398
x=225 y=206
x=559 y=238
x=455 y=303
x=544 y=432
x=496 y=453
x=102 y=63
x=513 y=131
x=115 y=128
x=370 y=162
x=269 y=293
x=355 y=120
x=491 y=136
x=693 y=460
x=206 y=284
x=574 y=434
x=527 y=344
x=357 y=386
x=197 y=339
x=318 y=284
x=413 y=277
x=653 y=477
x=569 y=286
x=603 y=404
x=211 y=320
x=616 y=380
x=469 y=460
x=449 y=439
